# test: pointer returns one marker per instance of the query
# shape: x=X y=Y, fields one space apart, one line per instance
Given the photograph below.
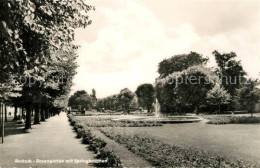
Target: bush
x=97 y=145
x=245 y=120
x=234 y=120
x=112 y=160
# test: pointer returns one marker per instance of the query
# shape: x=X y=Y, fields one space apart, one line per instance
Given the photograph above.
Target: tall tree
x=179 y=63
x=230 y=71
x=125 y=98
x=146 y=95
x=177 y=90
x=249 y=95
x=30 y=32
x=94 y=98
x=80 y=100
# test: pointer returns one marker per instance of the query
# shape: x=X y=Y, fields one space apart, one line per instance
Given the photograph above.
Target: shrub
x=234 y=120
x=97 y=145
x=112 y=160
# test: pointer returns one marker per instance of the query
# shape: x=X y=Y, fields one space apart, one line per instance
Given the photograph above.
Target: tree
x=31 y=32
x=80 y=100
x=146 y=95
x=94 y=98
x=199 y=81
x=230 y=71
x=249 y=95
x=187 y=88
x=125 y=98
x=179 y=63
x=218 y=96
x=174 y=69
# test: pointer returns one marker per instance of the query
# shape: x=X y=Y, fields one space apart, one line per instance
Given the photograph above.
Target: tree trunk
x=5 y=113
x=2 y=122
x=0 y=114
x=219 y=109
x=46 y=113
x=22 y=112
x=252 y=109
x=37 y=114
x=148 y=109
x=15 y=112
x=28 y=117
x=42 y=114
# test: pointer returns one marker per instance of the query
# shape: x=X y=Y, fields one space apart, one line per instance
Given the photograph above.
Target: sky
x=128 y=38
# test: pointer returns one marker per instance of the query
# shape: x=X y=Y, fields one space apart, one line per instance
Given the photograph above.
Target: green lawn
x=234 y=141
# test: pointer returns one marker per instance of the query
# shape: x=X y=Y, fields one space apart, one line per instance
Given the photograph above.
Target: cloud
x=129 y=38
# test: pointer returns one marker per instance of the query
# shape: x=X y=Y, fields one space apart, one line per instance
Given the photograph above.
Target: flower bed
x=97 y=145
x=164 y=155
x=234 y=120
x=106 y=122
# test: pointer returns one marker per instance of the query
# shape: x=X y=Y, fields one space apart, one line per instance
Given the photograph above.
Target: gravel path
x=53 y=140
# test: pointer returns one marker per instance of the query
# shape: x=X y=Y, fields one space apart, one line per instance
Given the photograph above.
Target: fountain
x=159 y=118
x=157 y=109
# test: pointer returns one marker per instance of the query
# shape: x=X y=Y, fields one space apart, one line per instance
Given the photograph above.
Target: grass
x=165 y=155
x=158 y=152
x=234 y=120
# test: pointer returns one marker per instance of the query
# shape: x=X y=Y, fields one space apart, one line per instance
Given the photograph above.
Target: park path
x=51 y=140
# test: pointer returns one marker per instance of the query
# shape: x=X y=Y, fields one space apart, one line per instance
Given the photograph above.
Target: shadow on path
x=51 y=140
x=11 y=128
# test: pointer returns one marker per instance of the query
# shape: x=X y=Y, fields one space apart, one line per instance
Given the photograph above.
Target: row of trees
x=37 y=53
x=124 y=101
x=185 y=84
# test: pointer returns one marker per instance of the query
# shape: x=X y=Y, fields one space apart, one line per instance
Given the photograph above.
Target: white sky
x=128 y=38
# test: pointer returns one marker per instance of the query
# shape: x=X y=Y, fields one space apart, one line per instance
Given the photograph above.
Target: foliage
x=230 y=71
x=178 y=89
x=146 y=95
x=110 y=103
x=179 y=63
x=97 y=145
x=125 y=97
x=112 y=160
x=32 y=36
x=234 y=120
x=218 y=96
x=32 y=31
x=125 y=100
x=81 y=100
x=249 y=95
x=94 y=98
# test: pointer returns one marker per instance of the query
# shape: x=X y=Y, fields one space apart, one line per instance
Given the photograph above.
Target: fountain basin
x=164 y=120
